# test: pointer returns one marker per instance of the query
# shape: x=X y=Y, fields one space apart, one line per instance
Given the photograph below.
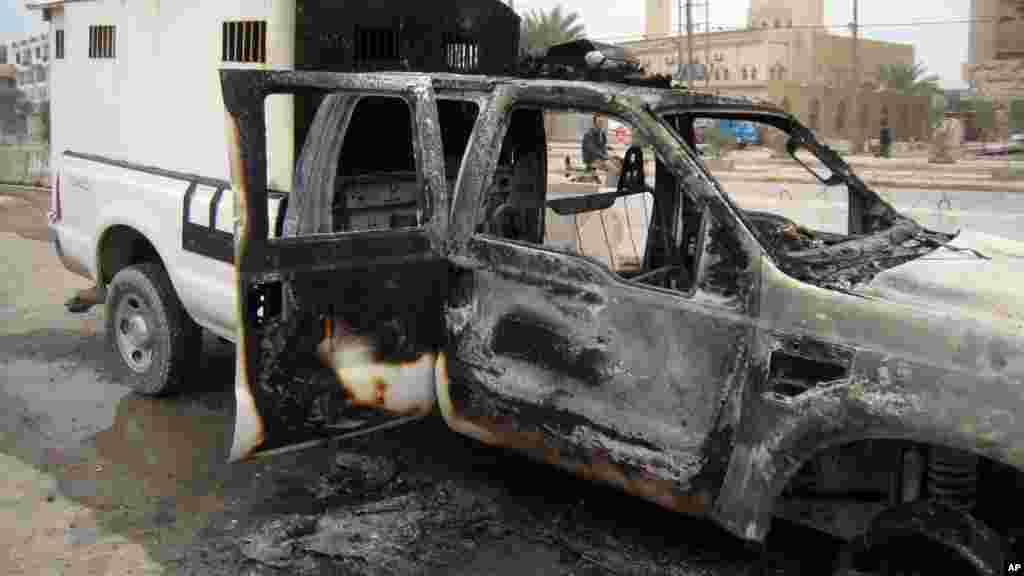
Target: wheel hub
x=134 y=337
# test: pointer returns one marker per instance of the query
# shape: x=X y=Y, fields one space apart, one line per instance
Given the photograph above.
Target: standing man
x=885 y=139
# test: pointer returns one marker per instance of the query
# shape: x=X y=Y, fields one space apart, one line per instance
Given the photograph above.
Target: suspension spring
x=952 y=478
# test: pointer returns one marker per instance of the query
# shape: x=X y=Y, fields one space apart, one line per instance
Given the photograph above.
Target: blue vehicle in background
x=744 y=132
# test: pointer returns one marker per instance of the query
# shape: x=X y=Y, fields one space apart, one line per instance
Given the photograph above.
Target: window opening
x=377 y=184
x=58 y=43
x=615 y=220
x=244 y=41
x=102 y=42
x=377 y=45
x=461 y=53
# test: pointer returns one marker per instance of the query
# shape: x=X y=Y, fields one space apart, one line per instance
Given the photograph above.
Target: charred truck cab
x=742 y=367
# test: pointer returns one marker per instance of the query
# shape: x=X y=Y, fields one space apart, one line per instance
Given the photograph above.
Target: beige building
x=784 y=40
x=995 y=66
x=785 y=52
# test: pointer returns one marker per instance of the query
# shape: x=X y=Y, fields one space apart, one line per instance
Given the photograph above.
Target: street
x=97 y=480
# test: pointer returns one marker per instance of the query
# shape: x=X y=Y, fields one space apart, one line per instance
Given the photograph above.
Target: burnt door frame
x=283 y=383
x=552 y=354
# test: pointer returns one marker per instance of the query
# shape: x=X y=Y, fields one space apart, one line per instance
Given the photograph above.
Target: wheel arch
x=759 y=473
x=121 y=246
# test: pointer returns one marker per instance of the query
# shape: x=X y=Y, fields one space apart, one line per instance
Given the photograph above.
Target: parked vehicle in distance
x=745 y=133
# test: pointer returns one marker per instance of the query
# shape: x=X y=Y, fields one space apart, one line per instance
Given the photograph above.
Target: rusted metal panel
x=574 y=359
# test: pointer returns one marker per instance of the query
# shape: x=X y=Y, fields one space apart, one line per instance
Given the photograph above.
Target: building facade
x=786 y=52
x=995 y=66
x=140 y=81
x=31 y=60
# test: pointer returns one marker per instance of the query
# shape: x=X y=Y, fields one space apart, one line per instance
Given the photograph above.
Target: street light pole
x=679 y=38
x=858 y=132
x=707 y=45
x=689 y=43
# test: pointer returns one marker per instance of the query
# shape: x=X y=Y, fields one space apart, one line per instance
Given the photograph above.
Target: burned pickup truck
x=739 y=366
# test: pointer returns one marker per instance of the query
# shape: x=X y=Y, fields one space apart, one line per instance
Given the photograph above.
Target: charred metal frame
x=870 y=369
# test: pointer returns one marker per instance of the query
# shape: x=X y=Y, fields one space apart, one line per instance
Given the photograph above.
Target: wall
x=835 y=57
x=907 y=115
x=159 y=101
x=806 y=55
x=658 y=18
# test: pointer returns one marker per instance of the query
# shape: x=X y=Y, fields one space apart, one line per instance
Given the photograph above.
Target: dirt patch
x=23 y=218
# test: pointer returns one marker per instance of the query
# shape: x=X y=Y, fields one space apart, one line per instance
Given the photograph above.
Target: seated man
x=595 y=149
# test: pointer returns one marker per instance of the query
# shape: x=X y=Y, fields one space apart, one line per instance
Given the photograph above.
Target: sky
x=940 y=47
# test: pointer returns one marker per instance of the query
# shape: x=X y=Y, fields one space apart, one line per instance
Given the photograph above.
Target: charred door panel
x=553 y=355
x=343 y=313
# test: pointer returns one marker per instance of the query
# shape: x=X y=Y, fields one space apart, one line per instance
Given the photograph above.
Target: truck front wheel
x=152 y=338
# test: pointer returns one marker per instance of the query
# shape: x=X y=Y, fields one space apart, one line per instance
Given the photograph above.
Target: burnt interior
x=516 y=204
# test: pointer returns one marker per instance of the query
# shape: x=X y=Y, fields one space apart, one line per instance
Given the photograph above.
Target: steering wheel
x=632 y=169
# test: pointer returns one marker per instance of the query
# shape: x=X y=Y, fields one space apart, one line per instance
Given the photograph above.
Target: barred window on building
x=377 y=45
x=102 y=42
x=244 y=41
x=461 y=55
x=58 y=44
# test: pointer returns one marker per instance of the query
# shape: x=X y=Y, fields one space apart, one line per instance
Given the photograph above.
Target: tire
x=152 y=338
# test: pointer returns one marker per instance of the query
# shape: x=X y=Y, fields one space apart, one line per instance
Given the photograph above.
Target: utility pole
x=689 y=43
x=679 y=38
x=707 y=45
x=855 y=115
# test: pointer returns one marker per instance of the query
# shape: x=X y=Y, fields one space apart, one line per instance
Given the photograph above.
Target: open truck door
x=339 y=301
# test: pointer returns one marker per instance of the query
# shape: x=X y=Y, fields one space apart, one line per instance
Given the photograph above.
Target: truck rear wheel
x=151 y=336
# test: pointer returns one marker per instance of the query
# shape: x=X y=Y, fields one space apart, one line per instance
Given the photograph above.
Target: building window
x=743 y=73
x=3 y=54
x=102 y=42
x=41 y=74
x=726 y=74
x=461 y=54
x=58 y=44
x=17 y=57
x=718 y=76
x=777 y=23
x=377 y=44
x=244 y=41
x=39 y=52
x=26 y=57
x=46 y=52
x=753 y=73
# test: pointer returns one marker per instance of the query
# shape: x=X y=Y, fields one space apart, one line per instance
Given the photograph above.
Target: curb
x=874 y=183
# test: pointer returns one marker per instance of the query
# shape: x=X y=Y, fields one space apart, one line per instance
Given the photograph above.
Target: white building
x=31 y=59
x=138 y=80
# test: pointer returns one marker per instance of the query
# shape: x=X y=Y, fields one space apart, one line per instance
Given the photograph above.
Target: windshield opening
x=795 y=193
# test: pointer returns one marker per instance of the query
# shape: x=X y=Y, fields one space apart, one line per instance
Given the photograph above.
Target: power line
x=629 y=37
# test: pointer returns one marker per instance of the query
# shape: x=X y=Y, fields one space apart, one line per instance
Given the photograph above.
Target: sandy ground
x=96 y=480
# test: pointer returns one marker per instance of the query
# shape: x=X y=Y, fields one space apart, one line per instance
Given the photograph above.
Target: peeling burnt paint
x=554 y=437
x=523 y=336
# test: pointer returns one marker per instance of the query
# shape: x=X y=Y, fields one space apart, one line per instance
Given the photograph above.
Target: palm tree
x=909 y=79
x=542 y=30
